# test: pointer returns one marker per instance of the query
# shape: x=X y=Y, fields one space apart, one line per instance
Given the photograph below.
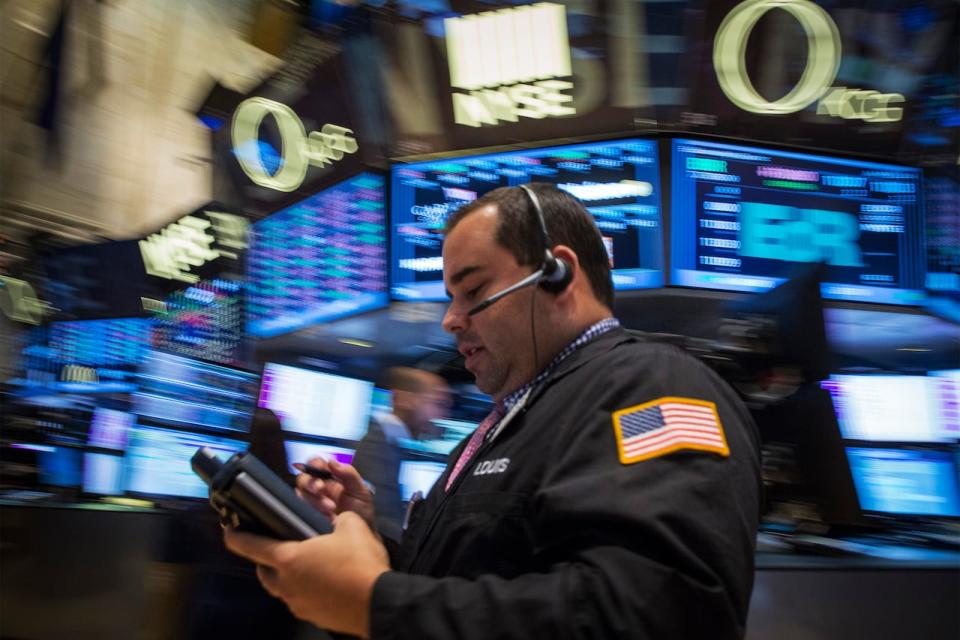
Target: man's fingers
x=259 y=549
x=349 y=477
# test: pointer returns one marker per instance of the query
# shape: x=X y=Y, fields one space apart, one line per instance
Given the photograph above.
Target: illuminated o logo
x=730 y=46
x=246 y=133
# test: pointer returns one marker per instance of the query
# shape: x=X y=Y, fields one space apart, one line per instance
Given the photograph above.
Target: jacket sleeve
x=661 y=548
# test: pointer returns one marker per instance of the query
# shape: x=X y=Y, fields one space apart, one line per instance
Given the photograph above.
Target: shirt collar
x=393 y=427
x=591 y=332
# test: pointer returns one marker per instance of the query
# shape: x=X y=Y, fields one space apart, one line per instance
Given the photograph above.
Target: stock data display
x=203 y=321
x=619 y=182
x=183 y=392
x=905 y=481
x=87 y=354
x=321 y=259
x=743 y=215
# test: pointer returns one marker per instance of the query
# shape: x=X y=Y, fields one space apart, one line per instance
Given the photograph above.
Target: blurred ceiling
x=124 y=153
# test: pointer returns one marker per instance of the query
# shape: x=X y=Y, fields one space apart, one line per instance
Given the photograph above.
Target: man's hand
x=327 y=580
x=346 y=492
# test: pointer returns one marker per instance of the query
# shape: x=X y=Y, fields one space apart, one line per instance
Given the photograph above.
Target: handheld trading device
x=252 y=498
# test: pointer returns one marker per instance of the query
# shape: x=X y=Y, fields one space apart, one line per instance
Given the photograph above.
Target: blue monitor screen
x=60 y=466
x=419 y=475
x=102 y=474
x=742 y=216
x=203 y=321
x=158 y=461
x=905 y=482
x=619 y=182
x=321 y=259
x=894 y=408
x=188 y=393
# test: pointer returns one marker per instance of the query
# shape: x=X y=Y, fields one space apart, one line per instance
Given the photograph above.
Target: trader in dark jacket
x=417 y=399
x=613 y=493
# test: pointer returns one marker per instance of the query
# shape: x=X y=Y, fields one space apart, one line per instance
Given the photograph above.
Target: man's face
x=431 y=404
x=496 y=342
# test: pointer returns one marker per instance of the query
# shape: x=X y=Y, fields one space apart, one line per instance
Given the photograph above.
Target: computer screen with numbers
x=320 y=259
x=742 y=216
x=618 y=181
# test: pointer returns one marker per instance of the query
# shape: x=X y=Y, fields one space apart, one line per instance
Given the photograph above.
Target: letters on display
x=823 y=62
x=299 y=149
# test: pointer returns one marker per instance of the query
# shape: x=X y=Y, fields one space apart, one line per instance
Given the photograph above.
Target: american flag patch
x=665 y=425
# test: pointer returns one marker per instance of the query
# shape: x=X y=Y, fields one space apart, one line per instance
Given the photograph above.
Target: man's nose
x=454 y=320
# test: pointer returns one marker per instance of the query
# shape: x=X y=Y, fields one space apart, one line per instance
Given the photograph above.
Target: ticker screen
x=203 y=321
x=618 y=182
x=742 y=216
x=320 y=259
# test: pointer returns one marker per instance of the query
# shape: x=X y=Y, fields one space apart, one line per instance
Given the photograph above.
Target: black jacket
x=547 y=534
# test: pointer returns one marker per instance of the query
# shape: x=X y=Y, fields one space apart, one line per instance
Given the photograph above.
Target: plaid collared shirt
x=589 y=334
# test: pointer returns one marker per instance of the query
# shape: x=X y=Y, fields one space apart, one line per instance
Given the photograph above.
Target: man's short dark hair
x=568 y=222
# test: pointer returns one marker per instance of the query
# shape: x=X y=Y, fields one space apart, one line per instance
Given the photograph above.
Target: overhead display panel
x=321 y=259
x=742 y=216
x=858 y=77
x=618 y=181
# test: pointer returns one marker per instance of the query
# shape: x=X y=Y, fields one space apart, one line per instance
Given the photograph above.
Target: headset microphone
x=554 y=275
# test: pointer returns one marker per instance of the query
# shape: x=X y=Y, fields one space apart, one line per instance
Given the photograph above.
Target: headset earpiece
x=557 y=273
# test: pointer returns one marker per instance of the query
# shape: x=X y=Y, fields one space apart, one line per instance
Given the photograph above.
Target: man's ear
x=569 y=256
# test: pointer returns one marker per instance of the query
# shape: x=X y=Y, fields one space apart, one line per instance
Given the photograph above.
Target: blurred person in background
x=614 y=492
x=417 y=399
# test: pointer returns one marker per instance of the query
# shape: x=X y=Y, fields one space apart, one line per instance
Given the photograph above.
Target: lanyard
x=514 y=410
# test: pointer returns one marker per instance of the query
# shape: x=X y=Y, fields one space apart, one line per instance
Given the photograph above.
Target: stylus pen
x=313 y=471
x=326 y=475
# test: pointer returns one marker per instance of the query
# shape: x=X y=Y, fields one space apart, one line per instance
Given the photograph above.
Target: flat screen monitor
x=303 y=451
x=321 y=259
x=742 y=216
x=943 y=245
x=618 y=181
x=157 y=461
x=184 y=392
x=947 y=384
x=889 y=408
x=60 y=466
x=315 y=403
x=419 y=475
x=101 y=344
x=905 y=481
x=203 y=321
x=102 y=474
x=109 y=428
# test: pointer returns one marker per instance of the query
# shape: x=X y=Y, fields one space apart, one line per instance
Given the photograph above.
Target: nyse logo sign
x=823 y=62
x=508 y=64
x=191 y=242
x=778 y=232
x=299 y=150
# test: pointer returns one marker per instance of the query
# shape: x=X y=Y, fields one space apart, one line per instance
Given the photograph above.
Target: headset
x=554 y=274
